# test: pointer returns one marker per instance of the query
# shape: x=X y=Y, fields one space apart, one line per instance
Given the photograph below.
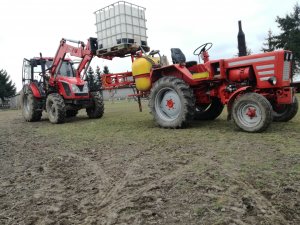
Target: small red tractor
x=256 y=88
x=52 y=84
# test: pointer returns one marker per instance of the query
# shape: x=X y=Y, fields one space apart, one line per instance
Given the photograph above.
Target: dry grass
x=209 y=173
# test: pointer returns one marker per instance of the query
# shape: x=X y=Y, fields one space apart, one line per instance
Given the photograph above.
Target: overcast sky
x=28 y=27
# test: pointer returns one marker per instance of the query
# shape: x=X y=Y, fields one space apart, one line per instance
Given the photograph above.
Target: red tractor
x=256 y=88
x=52 y=84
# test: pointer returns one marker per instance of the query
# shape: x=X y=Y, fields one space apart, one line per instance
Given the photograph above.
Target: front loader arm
x=81 y=51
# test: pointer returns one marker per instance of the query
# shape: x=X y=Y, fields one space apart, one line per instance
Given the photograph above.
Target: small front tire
x=56 y=109
x=252 y=112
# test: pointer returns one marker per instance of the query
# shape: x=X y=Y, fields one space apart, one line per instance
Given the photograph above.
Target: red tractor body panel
x=35 y=90
x=65 y=89
x=272 y=64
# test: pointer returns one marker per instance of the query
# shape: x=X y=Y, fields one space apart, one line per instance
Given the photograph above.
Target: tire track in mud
x=145 y=194
x=93 y=165
x=146 y=199
x=251 y=198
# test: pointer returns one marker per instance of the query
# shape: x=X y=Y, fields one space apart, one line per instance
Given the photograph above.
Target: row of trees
x=94 y=78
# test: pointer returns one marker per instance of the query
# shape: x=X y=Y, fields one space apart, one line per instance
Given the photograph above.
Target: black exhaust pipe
x=241 y=41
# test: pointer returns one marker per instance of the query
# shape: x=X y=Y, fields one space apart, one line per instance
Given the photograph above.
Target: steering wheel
x=153 y=52
x=203 y=48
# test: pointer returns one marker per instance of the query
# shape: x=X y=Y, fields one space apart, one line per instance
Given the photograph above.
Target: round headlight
x=272 y=80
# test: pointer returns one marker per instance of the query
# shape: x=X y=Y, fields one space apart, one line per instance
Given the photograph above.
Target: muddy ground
x=122 y=169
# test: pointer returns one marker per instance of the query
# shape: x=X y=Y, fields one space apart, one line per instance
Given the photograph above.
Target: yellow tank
x=141 y=68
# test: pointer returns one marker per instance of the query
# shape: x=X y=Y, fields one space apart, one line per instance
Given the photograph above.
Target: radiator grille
x=286 y=70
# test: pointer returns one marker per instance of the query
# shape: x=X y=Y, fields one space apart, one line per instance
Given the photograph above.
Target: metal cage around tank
x=121 y=25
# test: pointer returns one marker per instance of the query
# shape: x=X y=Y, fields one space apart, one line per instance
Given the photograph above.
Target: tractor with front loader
x=53 y=85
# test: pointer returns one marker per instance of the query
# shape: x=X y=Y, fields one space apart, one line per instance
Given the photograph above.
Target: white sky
x=28 y=27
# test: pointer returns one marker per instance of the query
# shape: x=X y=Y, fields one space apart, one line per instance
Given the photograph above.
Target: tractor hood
x=71 y=80
x=72 y=87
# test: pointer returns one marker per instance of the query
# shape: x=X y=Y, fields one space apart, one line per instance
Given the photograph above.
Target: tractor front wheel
x=252 y=112
x=284 y=113
x=172 y=103
x=97 y=108
x=56 y=109
x=30 y=106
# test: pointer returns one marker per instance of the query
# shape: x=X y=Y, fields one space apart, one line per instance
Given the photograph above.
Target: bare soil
x=122 y=169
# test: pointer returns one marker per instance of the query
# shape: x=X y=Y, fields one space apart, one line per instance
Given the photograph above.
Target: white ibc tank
x=121 y=23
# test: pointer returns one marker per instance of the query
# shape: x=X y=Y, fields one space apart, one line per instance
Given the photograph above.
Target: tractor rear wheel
x=252 y=112
x=284 y=113
x=56 y=109
x=97 y=109
x=172 y=103
x=30 y=106
x=209 y=111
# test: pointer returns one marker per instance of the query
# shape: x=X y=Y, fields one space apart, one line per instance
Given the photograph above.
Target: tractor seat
x=178 y=57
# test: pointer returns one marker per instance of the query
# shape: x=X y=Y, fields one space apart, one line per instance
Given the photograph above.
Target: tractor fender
x=233 y=97
x=174 y=70
x=35 y=90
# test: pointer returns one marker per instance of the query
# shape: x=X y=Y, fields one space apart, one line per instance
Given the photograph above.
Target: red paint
x=170 y=104
x=35 y=91
x=251 y=112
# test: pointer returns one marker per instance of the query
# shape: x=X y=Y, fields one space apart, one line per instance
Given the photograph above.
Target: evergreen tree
x=98 y=77
x=90 y=79
x=90 y=72
x=290 y=37
x=269 y=44
x=106 y=70
x=7 y=88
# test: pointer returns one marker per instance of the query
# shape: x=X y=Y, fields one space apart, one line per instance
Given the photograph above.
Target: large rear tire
x=172 y=103
x=252 y=112
x=30 y=106
x=56 y=109
x=284 y=113
x=97 y=109
x=209 y=111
